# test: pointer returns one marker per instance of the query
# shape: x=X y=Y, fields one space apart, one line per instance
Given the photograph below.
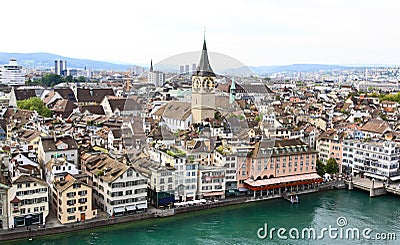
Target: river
x=345 y=212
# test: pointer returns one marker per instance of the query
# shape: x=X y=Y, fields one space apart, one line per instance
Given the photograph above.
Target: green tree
x=320 y=168
x=332 y=166
x=258 y=118
x=34 y=104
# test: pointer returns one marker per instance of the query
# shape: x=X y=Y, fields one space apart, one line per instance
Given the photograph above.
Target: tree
x=34 y=104
x=332 y=166
x=320 y=168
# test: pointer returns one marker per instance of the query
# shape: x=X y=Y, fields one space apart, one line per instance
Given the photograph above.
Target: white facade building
x=373 y=159
x=29 y=204
x=12 y=73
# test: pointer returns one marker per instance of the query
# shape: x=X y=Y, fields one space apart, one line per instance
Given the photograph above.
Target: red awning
x=281 y=180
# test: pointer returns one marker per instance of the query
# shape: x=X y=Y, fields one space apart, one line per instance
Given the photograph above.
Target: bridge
x=375 y=187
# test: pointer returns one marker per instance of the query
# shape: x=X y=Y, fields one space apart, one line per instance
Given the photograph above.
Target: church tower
x=232 y=92
x=203 y=89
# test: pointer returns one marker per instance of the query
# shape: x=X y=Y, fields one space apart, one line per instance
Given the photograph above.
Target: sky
x=278 y=32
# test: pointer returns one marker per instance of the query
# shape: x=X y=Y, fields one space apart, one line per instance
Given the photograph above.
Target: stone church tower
x=203 y=89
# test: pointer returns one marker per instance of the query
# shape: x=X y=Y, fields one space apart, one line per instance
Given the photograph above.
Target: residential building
x=29 y=204
x=375 y=159
x=118 y=189
x=72 y=199
x=56 y=147
x=211 y=182
x=329 y=145
x=4 y=187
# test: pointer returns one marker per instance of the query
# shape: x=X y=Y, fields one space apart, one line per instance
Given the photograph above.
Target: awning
x=119 y=210
x=395 y=178
x=130 y=207
x=214 y=193
x=375 y=176
x=282 y=180
x=141 y=205
x=166 y=200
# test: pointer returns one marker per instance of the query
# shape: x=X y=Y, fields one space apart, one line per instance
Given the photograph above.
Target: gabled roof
x=175 y=110
x=49 y=144
x=66 y=93
x=94 y=109
x=93 y=94
x=27 y=179
x=24 y=94
x=376 y=126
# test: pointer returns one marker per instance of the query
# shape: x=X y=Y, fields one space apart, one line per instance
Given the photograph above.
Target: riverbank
x=151 y=214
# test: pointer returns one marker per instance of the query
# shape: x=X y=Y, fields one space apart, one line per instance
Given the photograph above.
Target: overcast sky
x=255 y=32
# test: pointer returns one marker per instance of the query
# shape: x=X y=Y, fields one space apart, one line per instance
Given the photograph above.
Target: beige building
x=72 y=199
x=203 y=89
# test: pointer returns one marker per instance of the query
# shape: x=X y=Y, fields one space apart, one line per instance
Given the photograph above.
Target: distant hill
x=46 y=60
x=297 y=68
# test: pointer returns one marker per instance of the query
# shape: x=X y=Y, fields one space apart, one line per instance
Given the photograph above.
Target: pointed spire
x=151 y=65
x=204 y=67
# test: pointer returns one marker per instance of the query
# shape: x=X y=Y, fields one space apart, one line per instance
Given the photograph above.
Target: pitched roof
x=27 y=179
x=94 y=109
x=49 y=144
x=107 y=168
x=93 y=94
x=24 y=94
x=376 y=126
x=66 y=93
x=175 y=110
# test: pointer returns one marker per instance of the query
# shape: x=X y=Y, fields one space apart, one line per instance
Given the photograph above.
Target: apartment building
x=72 y=199
x=376 y=159
x=118 y=189
x=29 y=204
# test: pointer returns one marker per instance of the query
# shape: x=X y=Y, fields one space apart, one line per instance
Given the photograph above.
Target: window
x=71 y=218
x=28 y=184
x=129 y=192
x=129 y=173
x=19 y=186
x=82 y=200
x=71 y=210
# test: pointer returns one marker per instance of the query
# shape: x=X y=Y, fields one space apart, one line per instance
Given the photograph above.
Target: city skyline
x=260 y=33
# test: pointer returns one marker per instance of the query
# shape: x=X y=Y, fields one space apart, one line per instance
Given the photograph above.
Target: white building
x=57 y=166
x=155 y=77
x=374 y=159
x=12 y=74
x=211 y=182
x=118 y=189
x=62 y=146
x=29 y=204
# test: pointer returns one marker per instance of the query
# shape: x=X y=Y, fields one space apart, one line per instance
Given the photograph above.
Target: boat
x=290 y=197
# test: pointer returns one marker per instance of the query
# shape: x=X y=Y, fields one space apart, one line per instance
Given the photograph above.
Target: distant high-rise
x=181 y=69
x=155 y=77
x=12 y=73
x=60 y=67
x=193 y=67
x=186 y=68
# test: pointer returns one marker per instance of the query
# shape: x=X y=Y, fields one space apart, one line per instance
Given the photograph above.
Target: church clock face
x=208 y=84
x=196 y=84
